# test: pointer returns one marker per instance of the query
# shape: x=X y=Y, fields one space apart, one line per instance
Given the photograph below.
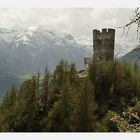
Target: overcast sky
x=78 y=22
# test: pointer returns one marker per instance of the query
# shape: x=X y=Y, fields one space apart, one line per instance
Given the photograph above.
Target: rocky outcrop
x=128 y=121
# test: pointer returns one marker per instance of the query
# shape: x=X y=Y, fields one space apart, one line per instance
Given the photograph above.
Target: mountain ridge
x=24 y=51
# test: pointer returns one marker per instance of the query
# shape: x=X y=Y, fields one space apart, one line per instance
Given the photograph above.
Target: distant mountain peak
x=16 y=27
x=40 y=35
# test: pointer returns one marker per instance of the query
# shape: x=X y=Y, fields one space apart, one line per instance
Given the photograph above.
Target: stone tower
x=103 y=44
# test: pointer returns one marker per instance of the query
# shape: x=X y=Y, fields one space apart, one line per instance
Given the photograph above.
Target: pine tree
x=59 y=116
x=8 y=111
x=26 y=117
x=86 y=108
x=45 y=90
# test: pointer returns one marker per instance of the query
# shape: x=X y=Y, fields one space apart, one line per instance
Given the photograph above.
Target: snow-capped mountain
x=132 y=57
x=8 y=34
x=122 y=45
x=40 y=35
x=26 y=50
x=47 y=48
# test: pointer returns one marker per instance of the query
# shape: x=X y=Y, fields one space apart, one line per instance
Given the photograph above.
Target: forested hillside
x=107 y=94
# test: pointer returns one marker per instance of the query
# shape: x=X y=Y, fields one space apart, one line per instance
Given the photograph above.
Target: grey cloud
x=79 y=21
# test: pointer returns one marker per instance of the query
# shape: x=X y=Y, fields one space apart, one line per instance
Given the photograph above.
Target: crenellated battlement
x=103 y=43
x=106 y=33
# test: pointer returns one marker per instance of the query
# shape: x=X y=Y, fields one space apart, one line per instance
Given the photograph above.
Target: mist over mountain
x=122 y=45
x=24 y=51
x=132 y=57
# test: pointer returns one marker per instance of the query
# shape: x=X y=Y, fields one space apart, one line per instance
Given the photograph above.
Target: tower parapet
x=103 y=44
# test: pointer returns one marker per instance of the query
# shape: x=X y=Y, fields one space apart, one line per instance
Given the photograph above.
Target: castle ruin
x=103 y=44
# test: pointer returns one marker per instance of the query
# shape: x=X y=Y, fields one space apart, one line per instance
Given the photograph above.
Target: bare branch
x=135 y=19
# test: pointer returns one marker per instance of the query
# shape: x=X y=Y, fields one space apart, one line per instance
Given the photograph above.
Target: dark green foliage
x=104 y=124
x=86 y=108
x=101 y=76
x=59 y=116
x=115 y=84
x=65 y=102
x=8 y=111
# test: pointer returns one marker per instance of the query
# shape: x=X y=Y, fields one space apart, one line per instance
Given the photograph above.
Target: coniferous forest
x=103 y=98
